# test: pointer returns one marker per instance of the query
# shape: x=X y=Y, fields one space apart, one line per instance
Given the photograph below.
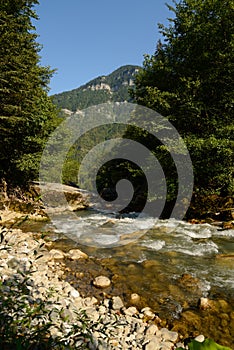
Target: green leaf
x=208 y=344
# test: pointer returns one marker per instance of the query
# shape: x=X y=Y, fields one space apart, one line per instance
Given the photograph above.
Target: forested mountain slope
x=113 y=87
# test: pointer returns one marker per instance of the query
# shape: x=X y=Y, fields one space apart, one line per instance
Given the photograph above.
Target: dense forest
x=27 y=114
x=189 y=80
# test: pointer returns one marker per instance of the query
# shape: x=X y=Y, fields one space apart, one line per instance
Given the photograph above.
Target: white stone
x=148 y=313
x=56 y=254
x=74 y=293
x=152 y=329
x=117 y=303
x=154 y=344
x=168 y=335
x=166 y=345
x=90 y=301
x=204 y=303
x=76 y=254
x=131 y=311
x=135 y=298
x=102 y=282
x=200 y=338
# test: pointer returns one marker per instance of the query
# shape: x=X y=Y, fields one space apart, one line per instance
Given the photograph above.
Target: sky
x=84 y=39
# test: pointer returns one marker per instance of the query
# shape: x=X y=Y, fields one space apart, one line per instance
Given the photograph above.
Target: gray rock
x=168 y=335
x=58 y=197
x=154 y=344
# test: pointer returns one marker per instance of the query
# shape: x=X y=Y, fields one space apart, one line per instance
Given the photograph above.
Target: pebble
x=132 y=310
x=204 y=303
x=76 y=254
x=200 y=338
x=74 y=293
x=56 y=254
x=154 y=344
x=102 y=282
x=168 y=335
x=116 y=327
x=152 y=330
x=148 y=314
x=167 y=346
x=135 y=298
x=117 y=303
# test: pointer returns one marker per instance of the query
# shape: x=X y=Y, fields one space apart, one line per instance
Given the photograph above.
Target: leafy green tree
x=27 y=114
x=189 y=80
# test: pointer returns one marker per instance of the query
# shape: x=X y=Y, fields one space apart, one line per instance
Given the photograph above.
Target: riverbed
x=169 y=264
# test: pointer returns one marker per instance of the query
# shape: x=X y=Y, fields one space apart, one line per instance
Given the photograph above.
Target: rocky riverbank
x=112 y=325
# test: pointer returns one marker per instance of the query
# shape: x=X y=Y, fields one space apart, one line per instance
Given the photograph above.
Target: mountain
x=113 y=87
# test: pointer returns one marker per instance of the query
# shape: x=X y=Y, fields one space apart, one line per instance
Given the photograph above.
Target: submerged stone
x=102 y=282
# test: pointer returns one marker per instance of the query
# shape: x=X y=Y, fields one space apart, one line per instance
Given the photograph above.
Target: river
x=170 y=264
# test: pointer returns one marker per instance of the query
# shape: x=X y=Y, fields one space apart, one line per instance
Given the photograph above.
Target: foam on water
x=106 y=240
x=98 y=224
x=154 y=245
x=195 y=246
x=203 y=233
x=182 y=236
x=200 y=249
x=225 y=233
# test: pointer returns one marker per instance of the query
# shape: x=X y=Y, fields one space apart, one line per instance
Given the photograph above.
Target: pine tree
x=27 y=114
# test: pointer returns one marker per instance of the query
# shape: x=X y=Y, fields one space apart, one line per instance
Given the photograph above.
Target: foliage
x=87 y=95
x=207 y=344
x=189 y=81
x=30 y=323
x=27 y=114
x=27 y=324
x=17 y=317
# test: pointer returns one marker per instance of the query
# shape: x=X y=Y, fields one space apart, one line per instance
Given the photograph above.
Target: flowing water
x=170 y=264
x=202 y=250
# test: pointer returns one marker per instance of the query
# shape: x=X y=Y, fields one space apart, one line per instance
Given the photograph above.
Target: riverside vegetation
x=189 y=81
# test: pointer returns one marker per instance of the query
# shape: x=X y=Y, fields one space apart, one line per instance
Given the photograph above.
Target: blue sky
x=84 y=39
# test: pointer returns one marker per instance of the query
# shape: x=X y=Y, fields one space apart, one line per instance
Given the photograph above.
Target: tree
x=189 y=80
x=27 y=114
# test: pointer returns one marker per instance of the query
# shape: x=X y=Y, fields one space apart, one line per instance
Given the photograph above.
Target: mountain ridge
x=112 y=87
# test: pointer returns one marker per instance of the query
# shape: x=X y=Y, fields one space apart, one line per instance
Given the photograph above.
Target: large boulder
x=58 y=197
